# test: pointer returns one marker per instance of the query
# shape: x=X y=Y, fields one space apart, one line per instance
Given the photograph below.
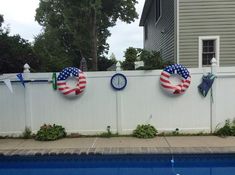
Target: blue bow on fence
x=207 y=82
x=21 y=78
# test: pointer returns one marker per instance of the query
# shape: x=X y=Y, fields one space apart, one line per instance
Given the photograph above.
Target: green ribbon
x=54 y=81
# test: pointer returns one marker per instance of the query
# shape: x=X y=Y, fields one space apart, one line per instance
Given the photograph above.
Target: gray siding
x=206 y=18
x=161 y=36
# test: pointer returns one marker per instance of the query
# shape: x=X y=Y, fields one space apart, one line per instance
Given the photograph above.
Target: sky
x=19 y=17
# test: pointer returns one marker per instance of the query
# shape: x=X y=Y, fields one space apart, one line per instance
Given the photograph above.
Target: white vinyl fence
x=142 y=101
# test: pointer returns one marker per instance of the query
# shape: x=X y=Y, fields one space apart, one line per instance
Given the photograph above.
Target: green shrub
x=50 y=132
x=145 y=131
x=27 y=133
x=227 y=130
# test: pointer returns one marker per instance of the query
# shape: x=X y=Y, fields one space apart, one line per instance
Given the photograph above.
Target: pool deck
x=120 y=145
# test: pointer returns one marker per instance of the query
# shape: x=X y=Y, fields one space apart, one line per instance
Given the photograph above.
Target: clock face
x=118 y=81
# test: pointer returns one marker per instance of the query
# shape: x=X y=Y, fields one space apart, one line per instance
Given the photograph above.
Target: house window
x=145 y=32
x=208 y=51
x=209 y=47
x=158 y=10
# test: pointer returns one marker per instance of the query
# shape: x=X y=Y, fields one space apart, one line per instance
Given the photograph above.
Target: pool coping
x=176 y=145
x=114 y=151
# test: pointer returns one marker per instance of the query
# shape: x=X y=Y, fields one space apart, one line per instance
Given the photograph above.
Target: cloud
x=22 y=11
x=126 y=35
x=25 y=30
x=19 y=16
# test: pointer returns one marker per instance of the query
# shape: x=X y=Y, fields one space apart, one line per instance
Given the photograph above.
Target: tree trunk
x=94 y=40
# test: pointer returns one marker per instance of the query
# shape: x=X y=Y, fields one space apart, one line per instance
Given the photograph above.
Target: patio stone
x=200 y=141
x=99 y=150
x=216 y=150
x=58 y=144
x=163 y=150
x=114 y=150
x=119 y=145
x=130 y=142
x=10 y=143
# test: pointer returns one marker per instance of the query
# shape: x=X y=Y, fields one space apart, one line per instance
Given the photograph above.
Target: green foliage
x=1 y=20
x=104 y=63
x=79 y=26
x=50 y=132
x=145 y=131
x=15 y=52
x=131 y=55
x=54 y=58
x=27 y=133
x=227 y=130
x=152 y=60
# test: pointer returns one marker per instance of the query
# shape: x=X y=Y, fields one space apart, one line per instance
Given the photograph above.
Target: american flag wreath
x=182 y=72
x=63 y=86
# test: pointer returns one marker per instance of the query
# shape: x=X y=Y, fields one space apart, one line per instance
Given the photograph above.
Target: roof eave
x=145 y=12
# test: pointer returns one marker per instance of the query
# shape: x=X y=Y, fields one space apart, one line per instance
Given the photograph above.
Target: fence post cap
x=213 y=61
x=118 y=66
x=26 y=68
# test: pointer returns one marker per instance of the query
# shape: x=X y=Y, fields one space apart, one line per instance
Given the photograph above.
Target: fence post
x=213 y=96
x=119 y=104
x=28 y=113
x=118 y=66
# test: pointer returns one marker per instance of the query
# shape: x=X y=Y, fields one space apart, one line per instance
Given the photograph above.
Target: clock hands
x=118 y=81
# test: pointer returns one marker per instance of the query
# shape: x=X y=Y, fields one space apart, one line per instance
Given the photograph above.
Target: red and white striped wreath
x=63 y=86
x=182 y=72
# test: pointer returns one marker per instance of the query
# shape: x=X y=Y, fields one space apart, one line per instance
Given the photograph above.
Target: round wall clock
x=118 y=81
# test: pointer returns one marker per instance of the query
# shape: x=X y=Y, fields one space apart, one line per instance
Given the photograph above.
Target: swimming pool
x=206 y=164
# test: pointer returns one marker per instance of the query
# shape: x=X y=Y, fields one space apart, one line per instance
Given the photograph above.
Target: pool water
x=221 y=164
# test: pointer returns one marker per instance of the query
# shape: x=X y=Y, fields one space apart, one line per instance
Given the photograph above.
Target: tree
x=1 y=20
x=53 y=58
x=113 y=57
x=131 y=55
x=152 y=59
x=105 y=63
x=15 y=52
x=82 y=26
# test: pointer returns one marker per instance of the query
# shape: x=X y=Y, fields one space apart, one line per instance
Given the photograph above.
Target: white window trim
x=217 y=51
x=160 y=13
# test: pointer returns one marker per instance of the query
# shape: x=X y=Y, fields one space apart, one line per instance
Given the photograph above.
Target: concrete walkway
x=120 y=145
